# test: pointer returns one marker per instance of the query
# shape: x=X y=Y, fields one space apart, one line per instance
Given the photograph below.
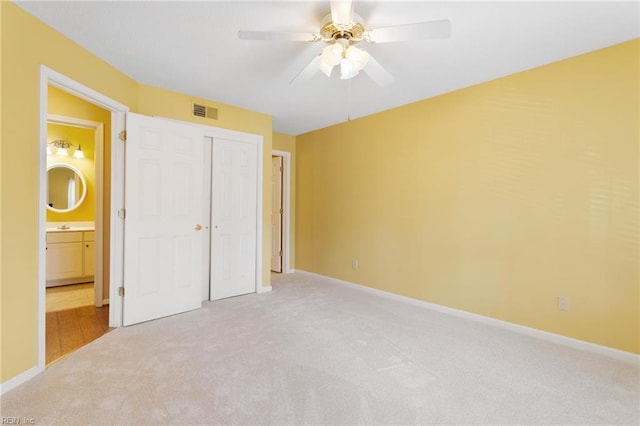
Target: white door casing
x=118 y=111
x=286 y=209
x=234 y=208
x=276 y=213
x=163 y=201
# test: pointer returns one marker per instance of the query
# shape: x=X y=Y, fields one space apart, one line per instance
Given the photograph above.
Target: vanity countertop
x=71 y=226
x=72 y=229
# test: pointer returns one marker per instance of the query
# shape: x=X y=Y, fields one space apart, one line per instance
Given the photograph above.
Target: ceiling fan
x=341 y=30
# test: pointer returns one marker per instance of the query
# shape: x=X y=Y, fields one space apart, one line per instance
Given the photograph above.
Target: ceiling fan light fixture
x=357 y=56
x=341 y=29
x=331 y=55
x=348 y=69
x=350 y=58
x=325 y=68
x=354 y=60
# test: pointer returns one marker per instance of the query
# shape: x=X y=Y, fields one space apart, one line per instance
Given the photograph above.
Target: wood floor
x=69 y=329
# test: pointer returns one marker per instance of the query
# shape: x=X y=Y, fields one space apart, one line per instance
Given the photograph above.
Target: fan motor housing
x=332 y=32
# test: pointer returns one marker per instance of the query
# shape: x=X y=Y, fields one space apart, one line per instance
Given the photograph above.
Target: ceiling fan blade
x=307 y=72
x=270 y=35
x=417 y=31
x=342 y=12
x=378 y=74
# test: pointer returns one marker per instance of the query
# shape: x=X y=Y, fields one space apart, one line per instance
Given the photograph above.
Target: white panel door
x=163 y=201
x=276 y=214
x=234 y=208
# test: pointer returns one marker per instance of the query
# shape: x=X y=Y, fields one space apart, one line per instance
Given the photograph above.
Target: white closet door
x=234 y=218
x=163 y=201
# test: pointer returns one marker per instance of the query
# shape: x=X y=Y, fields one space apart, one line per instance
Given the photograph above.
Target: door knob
x=197 y=227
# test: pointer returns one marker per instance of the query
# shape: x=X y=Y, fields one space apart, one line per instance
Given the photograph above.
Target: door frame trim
x=51 y=77
x=98 y=131
x=286 y=207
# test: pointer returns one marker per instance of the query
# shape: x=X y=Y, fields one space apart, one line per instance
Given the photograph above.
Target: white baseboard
x=617 y=354
x=18 y=380
x=105 y=302
x=265 y=289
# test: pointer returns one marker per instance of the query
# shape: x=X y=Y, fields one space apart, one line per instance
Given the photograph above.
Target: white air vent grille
x=205 y=111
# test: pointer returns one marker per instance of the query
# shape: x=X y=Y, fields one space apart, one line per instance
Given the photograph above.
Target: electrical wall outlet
x=354 y=264
x=563 y=303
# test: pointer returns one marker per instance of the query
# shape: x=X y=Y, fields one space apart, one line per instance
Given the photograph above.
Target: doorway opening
x=77 y=309
x=280 y=211
x=79 y=242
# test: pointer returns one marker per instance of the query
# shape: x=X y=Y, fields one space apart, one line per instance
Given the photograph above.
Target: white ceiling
x=192 y=47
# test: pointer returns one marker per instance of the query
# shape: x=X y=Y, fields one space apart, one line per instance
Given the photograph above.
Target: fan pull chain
x=348 y=100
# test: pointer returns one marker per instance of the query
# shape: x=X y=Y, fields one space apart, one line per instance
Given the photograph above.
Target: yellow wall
x=86 y=138
x=1 y=198
x=284 y=142
x=494 y=199
x=65 y=104
x=1 y=186
x=26 y=43
x=287 y=143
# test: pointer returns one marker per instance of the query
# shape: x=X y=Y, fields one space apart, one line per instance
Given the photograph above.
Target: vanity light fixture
x=78 y=153
x=62 y=148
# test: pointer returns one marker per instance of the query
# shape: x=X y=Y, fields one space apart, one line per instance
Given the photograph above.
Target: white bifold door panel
x=163 y=260
x=234 y=211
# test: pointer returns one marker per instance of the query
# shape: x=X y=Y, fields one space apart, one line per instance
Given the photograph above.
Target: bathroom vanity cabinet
x=70 y=257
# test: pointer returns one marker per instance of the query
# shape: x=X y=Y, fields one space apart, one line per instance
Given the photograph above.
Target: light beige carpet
x=313 y=352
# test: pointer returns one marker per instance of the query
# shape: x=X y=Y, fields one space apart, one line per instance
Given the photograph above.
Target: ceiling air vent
x=205 y=111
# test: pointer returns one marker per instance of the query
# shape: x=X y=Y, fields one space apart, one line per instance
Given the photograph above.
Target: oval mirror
x=67 y=188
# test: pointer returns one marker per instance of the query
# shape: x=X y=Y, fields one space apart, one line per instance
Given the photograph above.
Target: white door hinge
x=121 y=291
x=122 y=213
x=123 y=136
